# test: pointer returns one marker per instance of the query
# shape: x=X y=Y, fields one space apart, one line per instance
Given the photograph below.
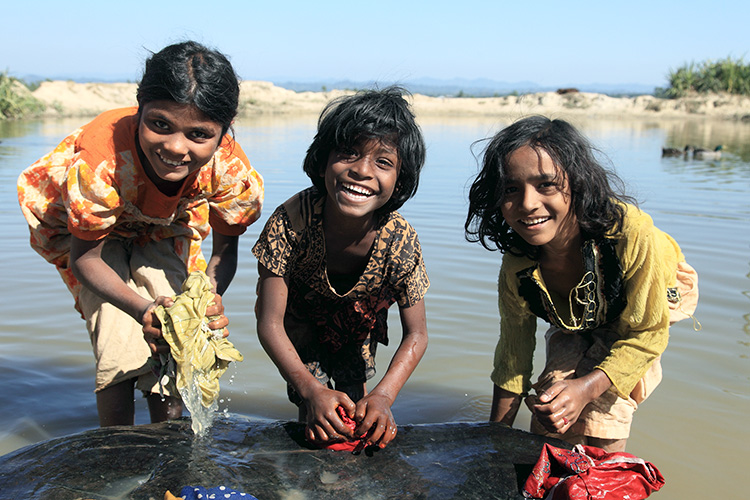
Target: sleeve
x=407 y=262
x=91 y=199
x=238 y=191
x=40 y=189
x=644 y=323
x=274 y=246
x=514 y=353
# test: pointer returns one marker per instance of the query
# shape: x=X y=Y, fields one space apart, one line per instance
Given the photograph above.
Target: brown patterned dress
x=336 y=334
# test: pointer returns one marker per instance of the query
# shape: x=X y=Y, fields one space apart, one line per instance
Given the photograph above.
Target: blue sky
x=548 y=43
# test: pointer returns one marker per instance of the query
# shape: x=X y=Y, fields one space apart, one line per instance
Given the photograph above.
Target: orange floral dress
x=93 y=186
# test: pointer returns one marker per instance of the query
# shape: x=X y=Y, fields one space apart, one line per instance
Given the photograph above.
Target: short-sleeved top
x=93 y=186
x=624 y=286
x=292 y=245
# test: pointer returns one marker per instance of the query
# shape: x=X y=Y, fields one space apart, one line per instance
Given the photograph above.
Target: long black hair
x=189 y=73
x=371 y=114
x=596 y=191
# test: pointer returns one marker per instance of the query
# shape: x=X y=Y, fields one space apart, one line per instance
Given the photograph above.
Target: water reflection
x=46 y=365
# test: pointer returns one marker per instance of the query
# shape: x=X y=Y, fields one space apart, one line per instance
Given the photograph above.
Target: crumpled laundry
x=590 y=473
x=217 y=493
x=354 y=444
x=198 y=355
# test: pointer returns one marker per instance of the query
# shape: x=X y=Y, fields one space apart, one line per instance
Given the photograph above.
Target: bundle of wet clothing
x=590 y=473
x=198 y=355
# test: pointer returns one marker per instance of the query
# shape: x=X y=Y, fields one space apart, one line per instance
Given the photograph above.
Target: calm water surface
x=694 y=426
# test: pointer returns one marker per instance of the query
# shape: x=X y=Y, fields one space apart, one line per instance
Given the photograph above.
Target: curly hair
x=371 y=114
x=597 y=193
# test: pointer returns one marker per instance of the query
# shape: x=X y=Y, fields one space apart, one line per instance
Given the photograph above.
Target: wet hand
x=152 y=326
x=374 y=418
x=324 y=425
x=559 y=406
x=215 y=311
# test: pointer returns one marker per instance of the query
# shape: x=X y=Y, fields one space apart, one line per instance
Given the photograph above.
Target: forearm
x=95 y=274
x=505 y=406
x=594 y=384
x=405 y=360
x=223 y=263
x=280 y=349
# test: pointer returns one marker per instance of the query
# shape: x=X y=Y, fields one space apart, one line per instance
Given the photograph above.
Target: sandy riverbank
x=65 y=98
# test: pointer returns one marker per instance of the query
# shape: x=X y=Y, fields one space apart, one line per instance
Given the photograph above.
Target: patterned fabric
x=203 y=493
x=590 y=473
x=292 y=245
x=625 y=286
x=92 y=185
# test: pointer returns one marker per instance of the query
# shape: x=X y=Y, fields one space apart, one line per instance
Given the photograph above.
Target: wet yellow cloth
x=201 y=355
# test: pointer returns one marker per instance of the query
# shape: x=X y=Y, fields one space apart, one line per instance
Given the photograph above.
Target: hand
x=324 y=426
x=558 y=406
x=152 y=326
x=373 y=414
x=215 y=311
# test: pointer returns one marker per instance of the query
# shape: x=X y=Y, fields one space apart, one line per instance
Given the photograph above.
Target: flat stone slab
x=271 y=460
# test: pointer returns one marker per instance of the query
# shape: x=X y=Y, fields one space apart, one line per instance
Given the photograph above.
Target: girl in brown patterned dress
x=333 y=258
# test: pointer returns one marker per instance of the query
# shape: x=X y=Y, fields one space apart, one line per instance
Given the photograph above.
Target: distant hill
x=434 y=87
x=480 y=87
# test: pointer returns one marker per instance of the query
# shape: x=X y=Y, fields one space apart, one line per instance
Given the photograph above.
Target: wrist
x=597 y=383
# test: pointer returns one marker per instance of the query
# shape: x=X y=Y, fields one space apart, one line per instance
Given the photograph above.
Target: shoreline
x=70 y=99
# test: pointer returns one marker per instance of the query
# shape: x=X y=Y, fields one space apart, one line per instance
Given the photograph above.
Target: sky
x=549 y=43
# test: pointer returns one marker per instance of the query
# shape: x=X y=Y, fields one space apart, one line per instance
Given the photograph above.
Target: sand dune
x=64 y=98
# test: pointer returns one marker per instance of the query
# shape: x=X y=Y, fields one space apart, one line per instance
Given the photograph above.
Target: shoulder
x=640 y=240
x=397 y=234
x=107 y=135
x=513 y=264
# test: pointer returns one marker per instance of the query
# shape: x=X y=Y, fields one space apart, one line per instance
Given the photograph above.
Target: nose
x=362 y=166
x=176 y=144
x=530 y=200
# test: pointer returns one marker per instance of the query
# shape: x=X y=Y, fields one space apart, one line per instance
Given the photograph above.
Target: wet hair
x=595 y=190
x=189 y=73
x=381 y=114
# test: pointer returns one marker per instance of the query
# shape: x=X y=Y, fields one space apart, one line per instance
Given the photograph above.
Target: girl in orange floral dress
x=122 y=206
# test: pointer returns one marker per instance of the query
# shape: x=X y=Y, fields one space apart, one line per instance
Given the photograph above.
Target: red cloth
x=590 y=473
x=352 y=444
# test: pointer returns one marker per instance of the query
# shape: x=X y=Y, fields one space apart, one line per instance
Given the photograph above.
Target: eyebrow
x=160 y=115
x=540 y=177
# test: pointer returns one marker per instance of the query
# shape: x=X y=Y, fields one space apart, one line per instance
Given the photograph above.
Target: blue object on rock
x=217 y=493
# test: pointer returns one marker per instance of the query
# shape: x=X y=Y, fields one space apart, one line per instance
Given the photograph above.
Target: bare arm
x=505 y=406
x=374 y=410
x=89 y=268
x=323 y=422
x=223 y=263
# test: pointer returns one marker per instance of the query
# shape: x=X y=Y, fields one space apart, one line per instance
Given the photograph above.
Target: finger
x=390 y=435
x=217 y=323
x=546 y=395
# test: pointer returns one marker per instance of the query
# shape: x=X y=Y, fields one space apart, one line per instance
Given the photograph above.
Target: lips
x=533 y=222
x=357 y=191
x=171 y=162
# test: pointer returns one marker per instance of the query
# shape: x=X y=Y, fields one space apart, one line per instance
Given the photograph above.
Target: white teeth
x=358 y=190
x=531 y=222
x=170 y=162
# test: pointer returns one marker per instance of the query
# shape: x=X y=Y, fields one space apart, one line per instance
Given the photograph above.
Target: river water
x=693 y=428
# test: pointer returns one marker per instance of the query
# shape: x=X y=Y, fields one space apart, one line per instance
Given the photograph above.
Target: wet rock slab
x=270 y=460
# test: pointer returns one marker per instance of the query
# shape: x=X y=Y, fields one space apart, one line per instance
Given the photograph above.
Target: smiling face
x=537 y=199
x=361 y=178
x=176 y=140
